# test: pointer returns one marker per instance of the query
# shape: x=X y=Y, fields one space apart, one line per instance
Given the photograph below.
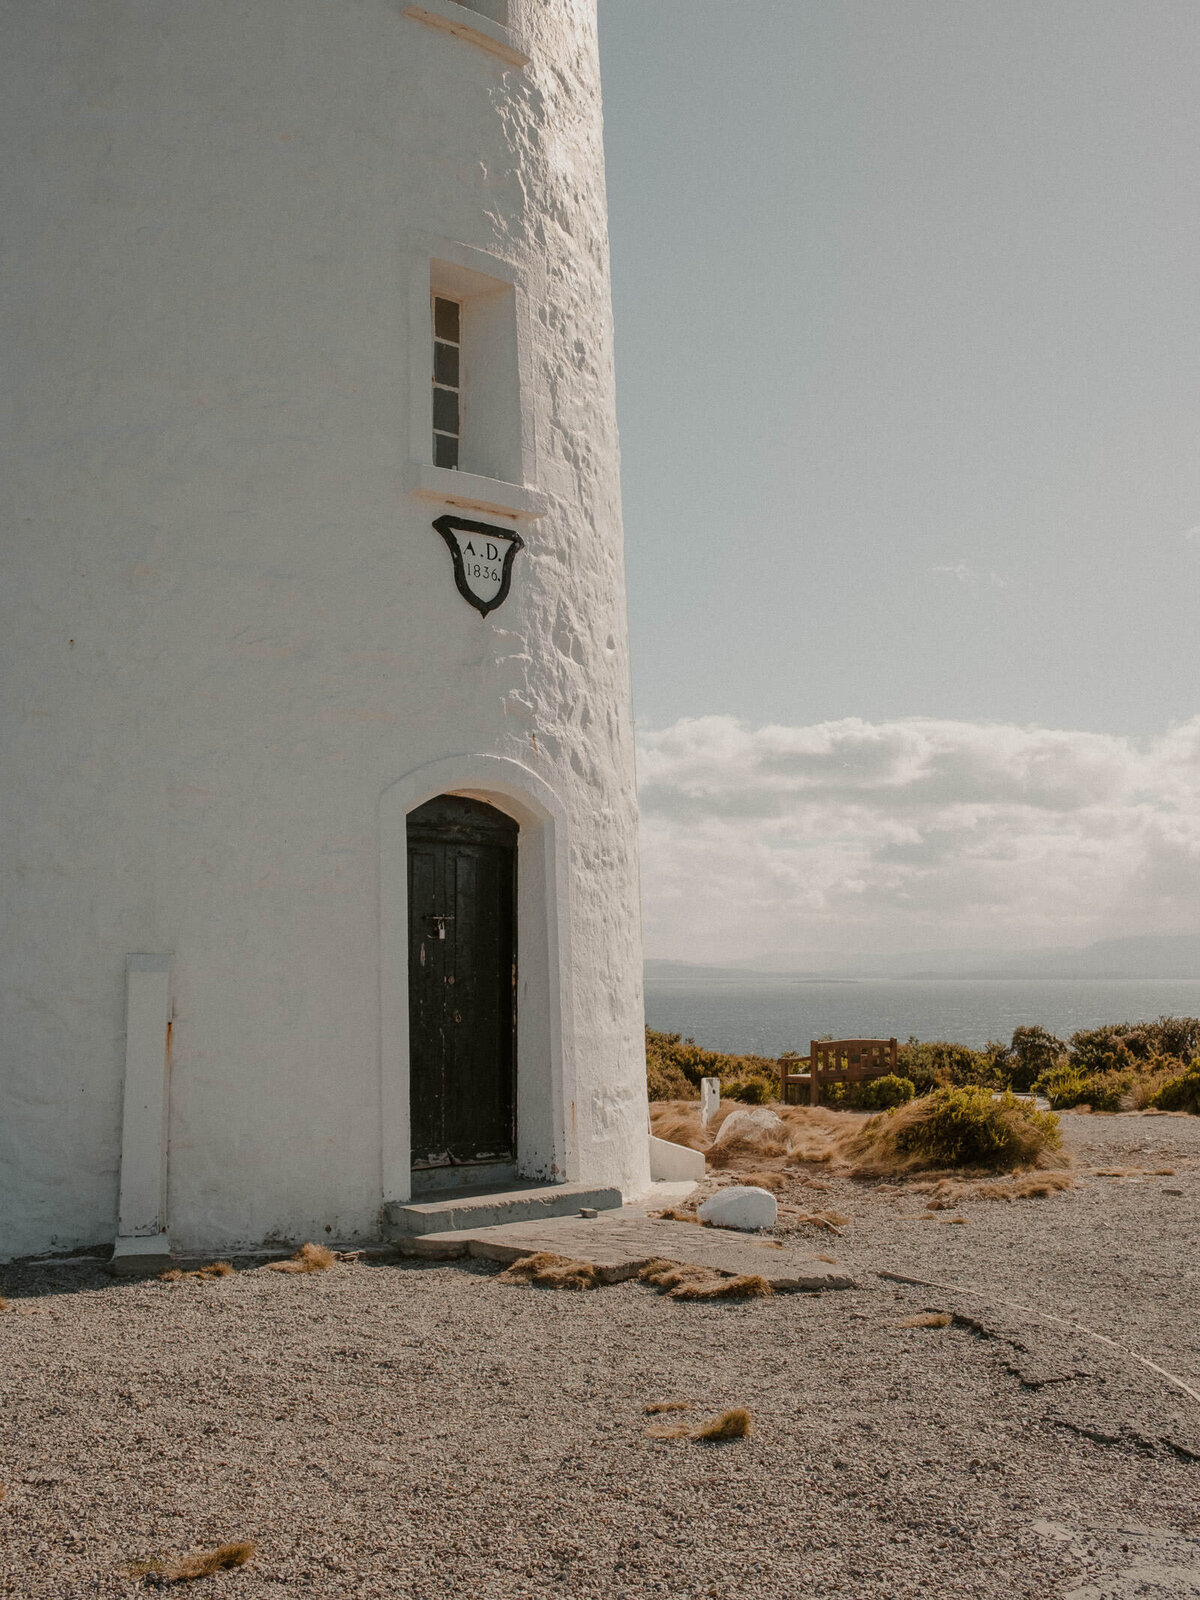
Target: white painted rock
x=740 y=1206
x=748 y=1121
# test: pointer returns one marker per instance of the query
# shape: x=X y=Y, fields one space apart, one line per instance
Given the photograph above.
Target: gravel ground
x=428 y=1431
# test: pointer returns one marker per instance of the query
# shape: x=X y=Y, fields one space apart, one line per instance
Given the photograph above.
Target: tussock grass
x=803 y=1134
x=956 y=1128
x=735 y=1423
x=550 y=1271
x=309 y=1258
x=746 y=1145
x=657 y=1407
x=927 y=1319
x=201 y=1565
x=673 y=1214
x=690 y=1281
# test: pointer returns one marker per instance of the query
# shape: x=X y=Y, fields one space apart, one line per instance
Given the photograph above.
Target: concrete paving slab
x=619 y=1244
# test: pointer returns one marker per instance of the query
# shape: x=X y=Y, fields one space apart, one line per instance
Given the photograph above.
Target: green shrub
x=881 y=1094
x=1061 y=1084
x=751 y=1091
x=675 y=1066
x=1033 y=1051
x=1065 y=1086
x=936 y=1064
x=1122 y=1046
x=968 y=1127
x=1182 y=1093
x=666 y=1081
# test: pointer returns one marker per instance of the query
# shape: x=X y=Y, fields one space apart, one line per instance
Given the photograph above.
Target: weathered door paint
x=462 y=857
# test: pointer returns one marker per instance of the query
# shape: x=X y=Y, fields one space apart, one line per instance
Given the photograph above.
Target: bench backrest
x=851 y=1060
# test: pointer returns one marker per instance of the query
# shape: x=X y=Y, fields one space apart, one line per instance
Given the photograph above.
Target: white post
x=710 y=1099
x=142 y=1239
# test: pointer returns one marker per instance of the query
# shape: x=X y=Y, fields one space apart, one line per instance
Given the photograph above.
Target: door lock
x=437 y=926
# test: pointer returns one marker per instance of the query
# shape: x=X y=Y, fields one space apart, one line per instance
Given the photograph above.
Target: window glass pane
x=445 y=319
x=445 y=364
x=445 y=450
x=445 y=410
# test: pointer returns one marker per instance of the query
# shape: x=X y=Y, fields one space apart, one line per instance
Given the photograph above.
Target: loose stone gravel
x=423 y=1430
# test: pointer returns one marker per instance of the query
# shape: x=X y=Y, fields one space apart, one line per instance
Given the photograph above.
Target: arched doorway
x=462 y=988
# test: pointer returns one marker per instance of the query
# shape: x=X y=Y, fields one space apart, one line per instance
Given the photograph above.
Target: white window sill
x=469 y=492
x=463 y=23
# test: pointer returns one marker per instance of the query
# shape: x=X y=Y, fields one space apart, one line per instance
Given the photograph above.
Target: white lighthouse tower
x=318 y=810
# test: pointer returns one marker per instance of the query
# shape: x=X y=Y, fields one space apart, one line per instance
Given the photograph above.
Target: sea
x=768 y=1019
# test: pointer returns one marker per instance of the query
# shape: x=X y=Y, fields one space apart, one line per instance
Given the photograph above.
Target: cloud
x=794 y=842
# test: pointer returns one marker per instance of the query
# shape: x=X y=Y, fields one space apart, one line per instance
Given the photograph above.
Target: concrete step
x=486 y=1208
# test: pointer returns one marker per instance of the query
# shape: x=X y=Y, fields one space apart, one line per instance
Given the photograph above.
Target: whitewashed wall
x=229 y=629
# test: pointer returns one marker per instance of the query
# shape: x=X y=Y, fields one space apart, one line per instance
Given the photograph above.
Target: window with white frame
x=447 y=380
x=470 y=372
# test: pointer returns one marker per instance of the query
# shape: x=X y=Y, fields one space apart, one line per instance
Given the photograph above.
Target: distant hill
x=1144 y=956
x=1140 y=956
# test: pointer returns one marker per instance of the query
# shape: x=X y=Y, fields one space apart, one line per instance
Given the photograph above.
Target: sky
x=907 y=309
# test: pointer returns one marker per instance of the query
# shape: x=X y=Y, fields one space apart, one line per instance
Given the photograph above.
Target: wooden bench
x=835 y=1061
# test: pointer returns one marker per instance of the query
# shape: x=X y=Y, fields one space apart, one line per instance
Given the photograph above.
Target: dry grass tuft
x=309 y=1258
x=1116 y=1172
x=549 y=1271
x=673 y=1214
x=215 y=1269
x=657 y=1407
x=669 y=1430
x=3 y=1490
x=745 y=1286
x=4 y=1305
x=1164 y=1172
x=831 y=1221
x=928 y=1319
x=774 y=1182
x=689 y=1281
x=954 y=1222
x=1035 y=1186
x=734 y=1424
x=202 y=1565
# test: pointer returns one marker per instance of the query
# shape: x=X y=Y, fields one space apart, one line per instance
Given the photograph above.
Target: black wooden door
x=462 y=955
